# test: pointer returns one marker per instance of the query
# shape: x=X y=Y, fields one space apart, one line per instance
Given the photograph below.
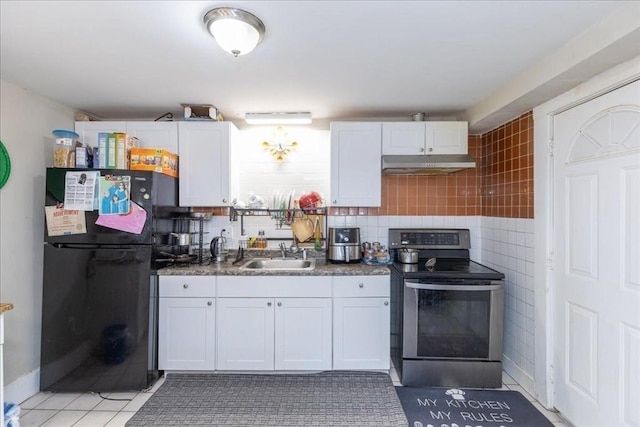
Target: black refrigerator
x=100 y=289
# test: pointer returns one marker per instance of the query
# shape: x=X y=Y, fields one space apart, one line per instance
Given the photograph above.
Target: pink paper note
x=133 y=222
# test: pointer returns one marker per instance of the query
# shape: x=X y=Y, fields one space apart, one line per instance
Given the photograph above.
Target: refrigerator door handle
x=94 y=246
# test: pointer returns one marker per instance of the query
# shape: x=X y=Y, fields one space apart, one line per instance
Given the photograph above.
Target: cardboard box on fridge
x=154 y=159
x=124 y=144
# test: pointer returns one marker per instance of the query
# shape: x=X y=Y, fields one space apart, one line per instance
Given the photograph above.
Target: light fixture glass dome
x=236 y=31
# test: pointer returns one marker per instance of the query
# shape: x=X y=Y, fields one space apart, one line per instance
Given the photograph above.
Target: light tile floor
x=115 y=409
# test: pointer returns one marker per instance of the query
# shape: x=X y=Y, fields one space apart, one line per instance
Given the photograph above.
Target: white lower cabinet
x=265 y=323
x=303 y=334
x=187 y=329
x=275 y=322
x=245 y=334
x=361 y=316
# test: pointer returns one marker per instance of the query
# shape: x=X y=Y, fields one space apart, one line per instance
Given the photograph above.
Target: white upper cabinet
x=425 y=138
x=155 y=134
x=403 y=138
x=205 y=162
x=355 y=164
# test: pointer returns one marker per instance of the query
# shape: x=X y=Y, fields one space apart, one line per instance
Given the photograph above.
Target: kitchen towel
x=432 y=406
x=328 y=399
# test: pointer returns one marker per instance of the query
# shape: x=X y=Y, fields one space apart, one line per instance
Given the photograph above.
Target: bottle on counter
x=262 y=240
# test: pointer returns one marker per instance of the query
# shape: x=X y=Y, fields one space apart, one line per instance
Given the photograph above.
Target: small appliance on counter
x=219 y=249
x=344 y=245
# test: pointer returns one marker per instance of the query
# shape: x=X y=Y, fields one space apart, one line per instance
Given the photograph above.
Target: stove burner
x=430 y=264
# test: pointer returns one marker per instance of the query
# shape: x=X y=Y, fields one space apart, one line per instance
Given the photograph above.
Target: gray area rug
x=328 y=399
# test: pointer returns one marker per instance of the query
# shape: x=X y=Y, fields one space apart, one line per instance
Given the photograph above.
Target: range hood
x=438 y=164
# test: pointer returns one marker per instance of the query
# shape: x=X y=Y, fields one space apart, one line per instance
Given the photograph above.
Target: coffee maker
x=344 y=245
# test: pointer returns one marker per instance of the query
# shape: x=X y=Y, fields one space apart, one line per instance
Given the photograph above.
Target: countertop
x=322 y=268
x=5 y=306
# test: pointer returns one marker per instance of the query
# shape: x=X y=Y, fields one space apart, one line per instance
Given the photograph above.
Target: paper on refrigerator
x=133 y=222
x=80 y=190
x=62 y=221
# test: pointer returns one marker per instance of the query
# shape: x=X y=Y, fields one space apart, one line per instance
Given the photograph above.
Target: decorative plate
x=5 y=165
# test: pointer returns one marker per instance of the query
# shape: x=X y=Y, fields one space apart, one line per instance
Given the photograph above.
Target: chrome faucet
x=283 y=250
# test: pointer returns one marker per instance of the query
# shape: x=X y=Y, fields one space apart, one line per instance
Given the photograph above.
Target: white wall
x=26 y=122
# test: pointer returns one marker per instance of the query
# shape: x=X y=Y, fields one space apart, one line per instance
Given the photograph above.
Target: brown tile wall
x=507 y=169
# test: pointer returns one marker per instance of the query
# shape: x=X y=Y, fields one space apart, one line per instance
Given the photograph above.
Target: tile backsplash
x=500 y=186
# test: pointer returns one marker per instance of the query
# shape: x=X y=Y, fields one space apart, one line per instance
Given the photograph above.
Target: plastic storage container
x=64 y=148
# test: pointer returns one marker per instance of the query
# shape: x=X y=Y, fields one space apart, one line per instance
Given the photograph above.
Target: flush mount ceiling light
x=236 y=31
x=278 y=118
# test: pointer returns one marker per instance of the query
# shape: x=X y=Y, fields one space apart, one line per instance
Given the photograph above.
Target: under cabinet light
x=278 y=118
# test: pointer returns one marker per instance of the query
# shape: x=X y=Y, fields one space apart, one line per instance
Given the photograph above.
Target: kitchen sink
x=279 y=264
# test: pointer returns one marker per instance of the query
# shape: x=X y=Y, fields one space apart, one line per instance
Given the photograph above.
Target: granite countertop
x=322 y=268
x=5 y=306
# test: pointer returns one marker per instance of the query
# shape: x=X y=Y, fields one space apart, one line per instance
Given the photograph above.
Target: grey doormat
x=327 y=399
x=432 y=406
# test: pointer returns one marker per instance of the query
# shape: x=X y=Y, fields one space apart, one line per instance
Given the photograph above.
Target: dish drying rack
x=282 y=217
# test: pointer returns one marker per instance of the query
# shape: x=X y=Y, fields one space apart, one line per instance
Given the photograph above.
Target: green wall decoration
x=5 y=165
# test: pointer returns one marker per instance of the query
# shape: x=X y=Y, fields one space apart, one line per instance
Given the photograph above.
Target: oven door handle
x=442 y=287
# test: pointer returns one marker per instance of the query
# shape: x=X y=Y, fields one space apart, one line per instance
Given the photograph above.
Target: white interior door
x=596 y=276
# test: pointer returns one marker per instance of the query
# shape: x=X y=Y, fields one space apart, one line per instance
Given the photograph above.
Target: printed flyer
x=61 y=221
x=80 y=190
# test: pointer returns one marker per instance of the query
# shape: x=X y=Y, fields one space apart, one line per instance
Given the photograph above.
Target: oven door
x=446 y=320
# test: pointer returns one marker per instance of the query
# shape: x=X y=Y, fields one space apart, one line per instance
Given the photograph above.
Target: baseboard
x=522 y=378
x=23 y=388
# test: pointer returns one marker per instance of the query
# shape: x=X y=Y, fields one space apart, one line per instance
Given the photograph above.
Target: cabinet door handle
x=209 y=303
x=224 y=200
x=279 y=304
x=334 y=202
x=422 y=150
x=269 y=304
x=361 y=285
x=430 y=149
x=185 y=286
x=386 y=303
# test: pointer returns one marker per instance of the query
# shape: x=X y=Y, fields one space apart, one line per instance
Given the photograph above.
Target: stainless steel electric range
x=446 y=311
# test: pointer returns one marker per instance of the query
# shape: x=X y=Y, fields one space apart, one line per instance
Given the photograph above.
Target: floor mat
x=328 y=399
x=432 y=406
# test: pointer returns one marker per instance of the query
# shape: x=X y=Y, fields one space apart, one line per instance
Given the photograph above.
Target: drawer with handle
x=361 y=286
x=187 y=286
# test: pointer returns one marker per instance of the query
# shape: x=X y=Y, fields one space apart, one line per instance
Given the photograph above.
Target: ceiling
x=482 y=61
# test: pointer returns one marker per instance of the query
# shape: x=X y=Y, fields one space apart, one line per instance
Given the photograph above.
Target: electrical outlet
x=227 y=232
